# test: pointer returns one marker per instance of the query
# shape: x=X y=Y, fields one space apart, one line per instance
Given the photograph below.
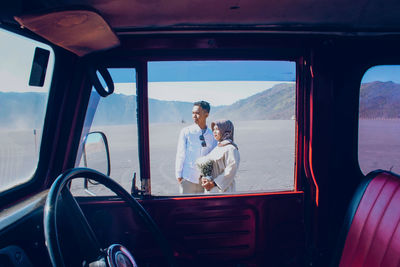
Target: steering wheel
x=115 y=254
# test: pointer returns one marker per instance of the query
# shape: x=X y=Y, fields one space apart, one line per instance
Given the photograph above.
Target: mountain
x=116 y=109
x=275 y=103
x=22 y=110
x=170 y=111
x=121 y=109
x=26 y=110
x=380 y=100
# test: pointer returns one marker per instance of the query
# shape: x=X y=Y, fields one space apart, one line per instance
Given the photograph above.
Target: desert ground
x=266 y=148
x=379 y=145
x=18 y=155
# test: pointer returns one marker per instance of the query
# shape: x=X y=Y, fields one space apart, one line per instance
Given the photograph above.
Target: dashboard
x=21 y=233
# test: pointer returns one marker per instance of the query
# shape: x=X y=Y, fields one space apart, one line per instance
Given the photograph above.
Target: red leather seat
x=373 y=230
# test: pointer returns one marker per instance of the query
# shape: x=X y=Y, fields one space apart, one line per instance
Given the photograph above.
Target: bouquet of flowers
x=205 y=167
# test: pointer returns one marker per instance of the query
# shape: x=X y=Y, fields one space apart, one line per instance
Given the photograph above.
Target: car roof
x=321 y=15
x=108 y=20
x=337 y=15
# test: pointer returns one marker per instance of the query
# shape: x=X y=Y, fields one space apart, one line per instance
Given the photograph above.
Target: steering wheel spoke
x=88 y=242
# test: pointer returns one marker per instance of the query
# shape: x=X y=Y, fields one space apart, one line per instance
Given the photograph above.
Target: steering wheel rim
x=50 y=209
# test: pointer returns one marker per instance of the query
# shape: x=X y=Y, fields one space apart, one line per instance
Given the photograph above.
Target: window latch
x=134 y=189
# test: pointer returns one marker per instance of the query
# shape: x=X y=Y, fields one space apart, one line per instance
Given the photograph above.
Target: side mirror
x=95 y=155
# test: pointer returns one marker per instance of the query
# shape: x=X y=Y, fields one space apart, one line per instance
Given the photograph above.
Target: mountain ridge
x=378 y=100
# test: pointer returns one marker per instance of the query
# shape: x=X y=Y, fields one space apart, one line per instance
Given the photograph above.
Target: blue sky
x=222 y=82
x=218 y=82
x=382 y=73
x=179 y=71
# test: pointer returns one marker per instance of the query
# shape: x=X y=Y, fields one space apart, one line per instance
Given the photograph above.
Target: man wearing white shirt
x=194 y=141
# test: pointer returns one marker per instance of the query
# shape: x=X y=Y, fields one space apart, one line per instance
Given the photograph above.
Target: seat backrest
x=372 y=222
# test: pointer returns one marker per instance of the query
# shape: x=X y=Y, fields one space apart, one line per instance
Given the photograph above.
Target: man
x=194 y=141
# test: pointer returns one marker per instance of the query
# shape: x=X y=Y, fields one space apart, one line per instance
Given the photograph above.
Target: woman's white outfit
x=226 y=163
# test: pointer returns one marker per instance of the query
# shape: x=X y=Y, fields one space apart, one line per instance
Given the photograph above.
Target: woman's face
x=217 y=133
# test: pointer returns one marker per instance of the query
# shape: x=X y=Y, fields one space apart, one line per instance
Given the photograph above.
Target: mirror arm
x=87 y=189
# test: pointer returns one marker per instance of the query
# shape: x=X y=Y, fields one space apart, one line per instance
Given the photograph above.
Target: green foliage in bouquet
x=205 y=167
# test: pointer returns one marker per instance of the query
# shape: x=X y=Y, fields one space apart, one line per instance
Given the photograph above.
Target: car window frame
x=366 y=66
x=140 y=64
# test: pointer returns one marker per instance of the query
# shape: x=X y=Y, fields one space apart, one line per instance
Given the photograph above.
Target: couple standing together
x=197 y=141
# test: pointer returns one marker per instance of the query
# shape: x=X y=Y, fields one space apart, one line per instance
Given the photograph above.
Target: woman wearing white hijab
x=226 y=159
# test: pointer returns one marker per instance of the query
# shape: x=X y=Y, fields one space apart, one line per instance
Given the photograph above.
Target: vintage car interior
x=333 y=213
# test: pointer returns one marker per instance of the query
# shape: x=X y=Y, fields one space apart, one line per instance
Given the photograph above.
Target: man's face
x=199 y=115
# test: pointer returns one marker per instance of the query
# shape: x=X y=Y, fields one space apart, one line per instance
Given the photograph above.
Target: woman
x=226 y=159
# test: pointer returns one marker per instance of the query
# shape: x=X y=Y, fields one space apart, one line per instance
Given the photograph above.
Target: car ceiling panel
x=157 y=13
